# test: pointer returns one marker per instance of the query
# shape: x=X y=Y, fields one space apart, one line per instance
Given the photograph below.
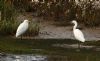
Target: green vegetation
x=9 y=24
x=1 y=4
x=63 y=11
x=9 y=28
x=87 y=13
x=33 y=29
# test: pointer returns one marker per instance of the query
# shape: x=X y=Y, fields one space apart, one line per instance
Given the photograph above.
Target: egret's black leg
x=79 y=45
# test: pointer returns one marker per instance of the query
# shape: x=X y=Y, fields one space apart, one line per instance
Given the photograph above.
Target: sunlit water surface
x=30 y=58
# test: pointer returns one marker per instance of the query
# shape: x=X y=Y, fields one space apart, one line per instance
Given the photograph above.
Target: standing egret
x=22 y=28
x=78 y=33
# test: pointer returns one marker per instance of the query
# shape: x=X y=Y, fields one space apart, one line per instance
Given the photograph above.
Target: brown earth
x=49 y=30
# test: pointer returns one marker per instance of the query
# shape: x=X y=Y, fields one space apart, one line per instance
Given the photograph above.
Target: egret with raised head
x=78 y=33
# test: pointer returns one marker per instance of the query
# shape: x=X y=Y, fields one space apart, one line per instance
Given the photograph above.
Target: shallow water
x=32 y=58
x=24 y=58
x=47 y=50
x=71 y=57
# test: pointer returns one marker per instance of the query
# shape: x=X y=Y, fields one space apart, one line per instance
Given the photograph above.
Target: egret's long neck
x=75 y=25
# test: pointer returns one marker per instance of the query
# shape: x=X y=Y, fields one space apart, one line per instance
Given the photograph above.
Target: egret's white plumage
x=77 y=33
x=22 y=28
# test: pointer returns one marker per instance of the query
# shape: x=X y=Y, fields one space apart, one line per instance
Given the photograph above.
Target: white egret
x=78 y=33
x=22 y=28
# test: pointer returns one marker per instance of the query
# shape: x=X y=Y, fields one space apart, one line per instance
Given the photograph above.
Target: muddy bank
x=49 y=30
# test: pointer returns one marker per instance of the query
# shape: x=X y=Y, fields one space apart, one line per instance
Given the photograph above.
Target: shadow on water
x=47 y=50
